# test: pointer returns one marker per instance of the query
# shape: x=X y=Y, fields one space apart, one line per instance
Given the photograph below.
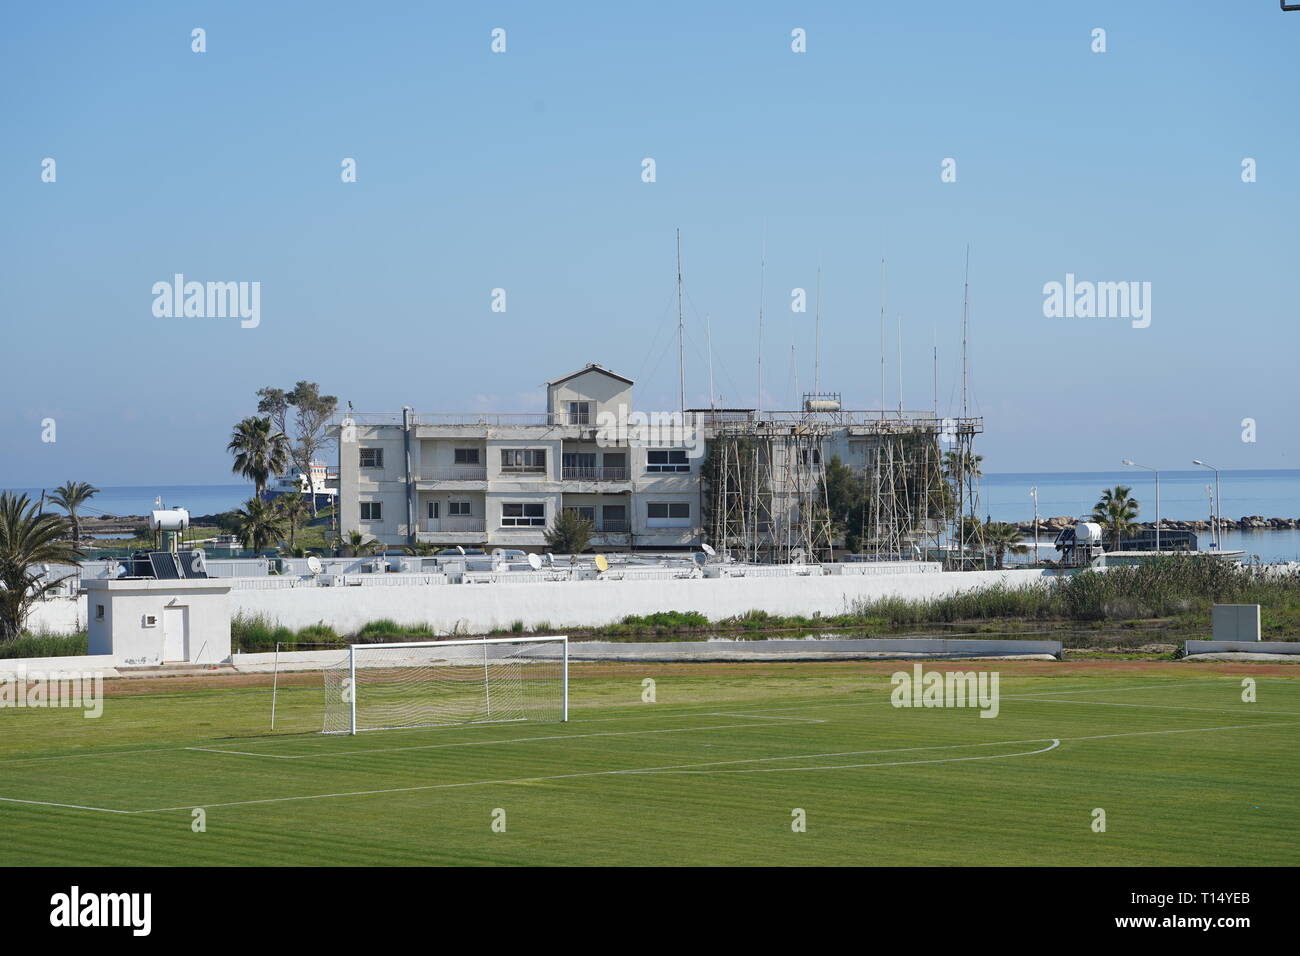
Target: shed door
x=176 y=636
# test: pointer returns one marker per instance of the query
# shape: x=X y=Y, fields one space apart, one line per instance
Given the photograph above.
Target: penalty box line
x=514 y=740
x=1054 y=744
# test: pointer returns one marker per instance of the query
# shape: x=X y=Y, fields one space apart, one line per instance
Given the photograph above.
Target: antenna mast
x=883 y=400
x=965 y=321
x=817 y=337
x=681 y=354
x=762 y=275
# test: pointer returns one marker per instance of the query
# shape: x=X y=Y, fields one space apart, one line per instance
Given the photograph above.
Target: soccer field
x=710 y=773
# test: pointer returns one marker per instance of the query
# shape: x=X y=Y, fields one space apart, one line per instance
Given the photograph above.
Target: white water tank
x=1087 y=532
x=821 y=405
x=171 y=519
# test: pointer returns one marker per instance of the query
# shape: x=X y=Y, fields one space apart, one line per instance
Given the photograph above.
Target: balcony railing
x=614 y=526
x=593 y=473
x=451 y=525
x=458 y=473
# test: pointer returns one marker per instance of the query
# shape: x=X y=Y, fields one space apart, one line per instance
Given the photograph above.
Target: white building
x=483 y=480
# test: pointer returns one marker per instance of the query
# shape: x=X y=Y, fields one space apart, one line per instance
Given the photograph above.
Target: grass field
x=709 y=774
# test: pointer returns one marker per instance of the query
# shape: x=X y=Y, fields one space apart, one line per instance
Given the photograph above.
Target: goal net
x=441 y=683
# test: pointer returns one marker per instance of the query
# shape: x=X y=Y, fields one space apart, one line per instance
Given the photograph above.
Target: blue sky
x=522 y=171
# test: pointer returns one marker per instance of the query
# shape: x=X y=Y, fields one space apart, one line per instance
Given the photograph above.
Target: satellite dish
x=535 y=562
x=701 y=559
x=498 y=552
x=550 y=560
x=460 y=550
x=602 y=563
x=708 y=549
x=313 y=564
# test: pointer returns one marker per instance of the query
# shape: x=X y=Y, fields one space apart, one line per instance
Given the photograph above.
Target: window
x=523 y=459
x=579 y=459
x=458 y=509
x=434 y=510
x=466 y=456
x=668 y=514
x=662 y=460
x=584 y=512
x=812 y=457
x=523 y=515
x=99 y=612
x=668 y=509
x=613 y=518
x=372 y=458
x=372 y=511
x=579 y=413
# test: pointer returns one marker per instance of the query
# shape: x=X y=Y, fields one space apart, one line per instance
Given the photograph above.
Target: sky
x=522 y=170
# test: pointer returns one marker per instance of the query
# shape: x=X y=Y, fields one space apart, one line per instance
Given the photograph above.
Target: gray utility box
x=1235 y=622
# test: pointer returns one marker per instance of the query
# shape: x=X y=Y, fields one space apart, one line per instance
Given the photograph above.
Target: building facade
x=483 y=480
x=486 y=480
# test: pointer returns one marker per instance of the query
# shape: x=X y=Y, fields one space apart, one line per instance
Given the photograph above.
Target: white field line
x=1215 y=710
x=511 y=740
x=1055 y=742
x=649 y=770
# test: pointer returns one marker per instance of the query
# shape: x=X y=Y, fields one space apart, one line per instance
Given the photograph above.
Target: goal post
x=447 y=683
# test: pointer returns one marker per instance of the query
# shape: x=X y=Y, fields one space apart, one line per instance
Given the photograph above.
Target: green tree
x=1001 y=538
x=846 y=499
x=260 y=524
x=1116 y=512
x=27 y=538
x=70 y=496
x=570 y=533
x=311 y=414
x=260 y=451
x=293 y=508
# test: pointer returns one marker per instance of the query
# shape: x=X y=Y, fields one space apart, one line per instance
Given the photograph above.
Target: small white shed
x=147 y=621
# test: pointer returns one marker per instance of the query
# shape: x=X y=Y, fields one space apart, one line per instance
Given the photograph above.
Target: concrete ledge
x=811 y=650
x=1252 y=649
x=103 y=664
x=714 y=651
x=1286 y=658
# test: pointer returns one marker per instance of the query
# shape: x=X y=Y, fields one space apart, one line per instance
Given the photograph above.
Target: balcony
x=456 y=525
x=456 y=473
x=593 y=473
x=614 y=526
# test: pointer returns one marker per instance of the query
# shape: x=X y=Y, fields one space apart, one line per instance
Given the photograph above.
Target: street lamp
x=1033 y=493
x=1197 y=461
x=1134 y=464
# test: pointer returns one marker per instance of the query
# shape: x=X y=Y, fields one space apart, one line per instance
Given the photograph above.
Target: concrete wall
x=58 y=615
x=476 y=609
x=1267 y=648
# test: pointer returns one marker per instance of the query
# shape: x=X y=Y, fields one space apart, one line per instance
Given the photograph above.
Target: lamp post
x=1197 y=461
x=1134 y=464
x=1033 y=493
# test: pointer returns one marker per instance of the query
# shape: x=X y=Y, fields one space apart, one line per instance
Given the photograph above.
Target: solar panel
x=164 y=565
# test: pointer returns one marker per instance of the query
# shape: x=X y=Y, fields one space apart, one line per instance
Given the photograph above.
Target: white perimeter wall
x=478 y=608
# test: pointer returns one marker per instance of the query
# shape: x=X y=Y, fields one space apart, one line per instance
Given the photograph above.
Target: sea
x=1184 y=496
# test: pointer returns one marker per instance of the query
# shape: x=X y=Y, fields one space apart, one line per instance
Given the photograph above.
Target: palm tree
x=260 y=451
x=1001 y=538
x=260 y=525
x=27 y=538
x=293 y=508
x=1115 y=512
x=964 y=467
x=70 y=496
